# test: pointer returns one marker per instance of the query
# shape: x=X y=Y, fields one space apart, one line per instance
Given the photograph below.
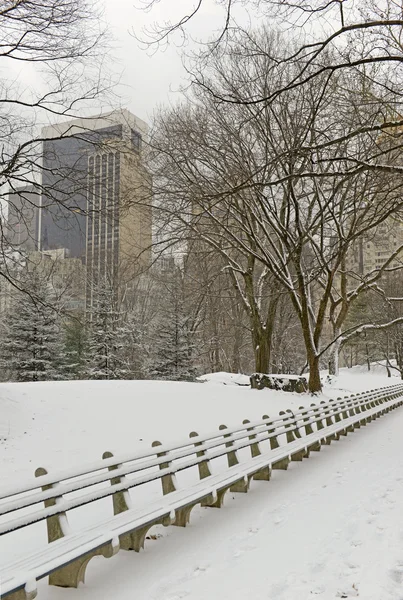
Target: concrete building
x=369 y=253
x=97 y=196
x=22 y=231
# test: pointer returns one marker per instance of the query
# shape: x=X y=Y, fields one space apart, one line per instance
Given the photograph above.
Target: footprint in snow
x=253 y=530
x=199 y=570
x=351 y=565
x=351 y=592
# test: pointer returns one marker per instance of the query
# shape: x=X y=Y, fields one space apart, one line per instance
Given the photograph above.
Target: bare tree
x=358 y=39
x=54 y=67
x=237 y=176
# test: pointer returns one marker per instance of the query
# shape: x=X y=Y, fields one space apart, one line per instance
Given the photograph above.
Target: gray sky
x=150 y=78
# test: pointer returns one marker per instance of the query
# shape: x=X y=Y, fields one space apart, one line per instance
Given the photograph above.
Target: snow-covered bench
x=272 y=443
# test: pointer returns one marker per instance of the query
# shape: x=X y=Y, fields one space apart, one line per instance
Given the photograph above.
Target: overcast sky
x=151 y=78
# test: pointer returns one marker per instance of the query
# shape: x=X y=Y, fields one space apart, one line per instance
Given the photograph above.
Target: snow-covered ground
x=60 y=424
x=329 y=527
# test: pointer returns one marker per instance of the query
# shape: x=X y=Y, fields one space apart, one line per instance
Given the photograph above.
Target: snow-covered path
x=330 y=527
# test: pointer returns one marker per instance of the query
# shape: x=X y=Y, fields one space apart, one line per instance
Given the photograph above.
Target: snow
x=226 y=378
x=328 y=527
x=58 y=425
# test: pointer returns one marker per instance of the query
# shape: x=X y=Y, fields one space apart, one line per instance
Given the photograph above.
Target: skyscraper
x=96 y=199
x=22 y=218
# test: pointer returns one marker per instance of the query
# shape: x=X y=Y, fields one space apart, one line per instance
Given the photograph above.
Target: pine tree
x=76 y=347
x=33 y=344
x=135 y=346
x=173 y=347
x=106 y=338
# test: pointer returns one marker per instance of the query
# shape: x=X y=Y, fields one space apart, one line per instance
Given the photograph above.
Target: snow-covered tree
x=76 y=347
x=106 y=337
x=33 y=344
x=135 y=346
x=172 y=333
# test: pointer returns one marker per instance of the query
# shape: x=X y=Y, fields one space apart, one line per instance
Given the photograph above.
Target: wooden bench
x=272 y=444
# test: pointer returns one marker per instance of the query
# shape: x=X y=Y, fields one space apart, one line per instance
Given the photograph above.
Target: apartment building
x=370 y=252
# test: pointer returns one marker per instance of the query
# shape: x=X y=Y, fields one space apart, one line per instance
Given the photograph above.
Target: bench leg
x=299 y=456
x=23 y=595
x=217 y=501
x=282 y=464
x=262 y=475
x=74 y=573
x=241 y=486
x=135 y=539
x=182 y=516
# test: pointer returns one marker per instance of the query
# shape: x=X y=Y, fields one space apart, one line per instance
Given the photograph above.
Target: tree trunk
x=261 y=343
x=236 y=350
x=334 y=356
x=399 y=359
x=314 y=384
x=368 y=357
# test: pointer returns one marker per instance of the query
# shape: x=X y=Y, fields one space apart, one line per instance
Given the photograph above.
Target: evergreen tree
x=106 y=338
x=135 y=346
x=33 y=344
x=173 y=347
x=76 y=347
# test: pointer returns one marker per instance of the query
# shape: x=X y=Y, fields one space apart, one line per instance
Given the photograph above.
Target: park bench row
x=271 y=443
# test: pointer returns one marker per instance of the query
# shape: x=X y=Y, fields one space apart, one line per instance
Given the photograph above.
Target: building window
x=136 y=140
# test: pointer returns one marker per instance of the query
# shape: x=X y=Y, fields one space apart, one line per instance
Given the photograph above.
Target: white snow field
x=329 y=527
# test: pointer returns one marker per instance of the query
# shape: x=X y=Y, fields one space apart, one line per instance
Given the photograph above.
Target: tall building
x=96 y=198
x=22 y=231
x=370 y=252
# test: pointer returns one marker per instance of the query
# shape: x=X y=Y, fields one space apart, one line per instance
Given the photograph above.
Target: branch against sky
x=54 y=67
x=259 y=182
x=358 y=39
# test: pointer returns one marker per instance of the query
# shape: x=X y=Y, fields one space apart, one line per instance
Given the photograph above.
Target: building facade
x=369 y=253
x=22 y=231
x=96 y=200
